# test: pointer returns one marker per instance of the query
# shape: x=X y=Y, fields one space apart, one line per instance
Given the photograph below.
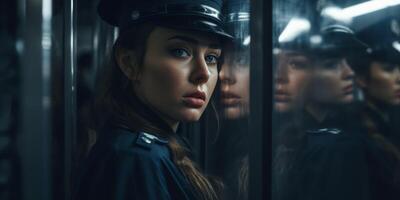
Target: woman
x=231 y=154
x=164 y=72
x=291 y=79
x=378 y=75
x=235 y=82
x=318 y=155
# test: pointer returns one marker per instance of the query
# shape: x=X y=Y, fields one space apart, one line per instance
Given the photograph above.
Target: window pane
x=9 y=103
x=336 y=100
x=230 y=158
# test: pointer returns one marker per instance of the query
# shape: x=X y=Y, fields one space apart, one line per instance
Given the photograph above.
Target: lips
x=397 y=93
x=281 y=96
x=230 y=99
x=195 y=100
x=348 y=89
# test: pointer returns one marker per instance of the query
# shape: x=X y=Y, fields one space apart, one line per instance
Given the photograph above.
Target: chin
x=191 y=115
x=282 y=107
x=232 y=113
x=347 y=99
x=395 y=102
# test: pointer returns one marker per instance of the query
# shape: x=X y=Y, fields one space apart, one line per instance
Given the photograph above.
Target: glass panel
x=59 y=86
x=9 y=103
x=229 y=158
x=336 y=99
x=36 y=104
x=94 y=42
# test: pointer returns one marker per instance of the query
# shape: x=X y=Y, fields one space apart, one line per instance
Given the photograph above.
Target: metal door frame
x=260 y=100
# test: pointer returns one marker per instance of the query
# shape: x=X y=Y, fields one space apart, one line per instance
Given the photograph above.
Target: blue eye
x=331 y=64
x=211 y=59
x=180 y=53
x=298 y=64
x=389 y=67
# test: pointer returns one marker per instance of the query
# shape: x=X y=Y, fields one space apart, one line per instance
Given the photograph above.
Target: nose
x=226 y=75
x=348 y=72
x=200 y=72
x=397 y=74
x=281 y=72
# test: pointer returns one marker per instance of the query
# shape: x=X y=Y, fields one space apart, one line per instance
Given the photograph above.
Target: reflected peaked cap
x=383 y=38
x=237 y=10
x=340 y=39
x=196 y=15
x=237 y=21
x=335 y=40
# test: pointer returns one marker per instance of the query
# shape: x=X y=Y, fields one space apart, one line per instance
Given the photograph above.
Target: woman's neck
x=379 y=108
x=173 y=124
x=317 y=111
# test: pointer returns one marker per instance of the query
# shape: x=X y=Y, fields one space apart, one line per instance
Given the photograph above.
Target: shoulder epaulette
x=334 y=131
x=146 y=140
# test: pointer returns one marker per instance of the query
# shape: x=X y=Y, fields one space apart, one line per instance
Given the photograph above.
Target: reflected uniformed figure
x=235 y=72
x=163 y=70
x=378 y=75
x=317 y=153
x=231 y=154
x=235 y=82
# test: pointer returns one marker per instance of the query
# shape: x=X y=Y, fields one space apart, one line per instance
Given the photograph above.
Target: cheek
x=296 y=87
x=242 y=84
x=162 y=80
x=297 y=84
x=381 y=85
x=328 y=83
x=245 y=82
x=382 y=80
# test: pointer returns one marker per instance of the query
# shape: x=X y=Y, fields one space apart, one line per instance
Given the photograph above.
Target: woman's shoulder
x=122 y=142
x=136 y=165
x=334 y=136
x=329 y=142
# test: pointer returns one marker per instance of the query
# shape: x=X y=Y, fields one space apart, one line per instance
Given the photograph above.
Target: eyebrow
x=193 y=41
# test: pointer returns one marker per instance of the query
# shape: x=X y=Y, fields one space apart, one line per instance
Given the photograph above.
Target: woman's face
x=383 y=83
x=291 y=80
x=332 y=82
x=235 y=77
x=178 y=74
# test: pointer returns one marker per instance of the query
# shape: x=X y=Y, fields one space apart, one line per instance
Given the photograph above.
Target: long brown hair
x=362 y=68
x=117 y=103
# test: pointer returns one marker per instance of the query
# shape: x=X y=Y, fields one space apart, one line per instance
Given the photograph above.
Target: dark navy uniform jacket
x=384 y=166
x=126 y=165
x=328 y=163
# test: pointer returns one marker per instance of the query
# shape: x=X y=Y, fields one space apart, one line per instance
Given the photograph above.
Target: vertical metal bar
x=70 y=111
x=261 y=101
x=34 y=142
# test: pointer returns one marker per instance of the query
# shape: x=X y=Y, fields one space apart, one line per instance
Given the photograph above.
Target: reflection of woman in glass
x=165 y=68
x=291 y=79
x=318 y=155
x=231 y=160
x=235 y=81
x=378 y=75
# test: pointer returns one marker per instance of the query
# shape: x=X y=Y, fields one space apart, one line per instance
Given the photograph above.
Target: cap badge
x=135 y=15
x=395 y=27
x=209 y=11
